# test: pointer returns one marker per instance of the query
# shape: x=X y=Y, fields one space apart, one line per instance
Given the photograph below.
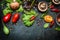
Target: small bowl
x=57 y=18
x=56 y=2
x=42 y=6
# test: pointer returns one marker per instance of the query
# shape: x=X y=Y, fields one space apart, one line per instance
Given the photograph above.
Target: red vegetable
x=51 y=24
x=15 y=17
x=32 y=18
x=55 y=10
x=52 y=6
x=7 y=17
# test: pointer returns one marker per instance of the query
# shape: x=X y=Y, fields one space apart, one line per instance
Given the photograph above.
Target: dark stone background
x=35 y=32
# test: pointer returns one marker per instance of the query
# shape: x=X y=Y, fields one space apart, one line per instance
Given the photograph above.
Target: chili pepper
x=51 y=6
x=55 y=10
x=32 y=18
x=51 y=24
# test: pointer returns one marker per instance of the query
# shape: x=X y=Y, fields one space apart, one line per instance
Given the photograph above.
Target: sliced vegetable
x=15 y=17
x=46 y=25
x=48 y=18
x=7 y=17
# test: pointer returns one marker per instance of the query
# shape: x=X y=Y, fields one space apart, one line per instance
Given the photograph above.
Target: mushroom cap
x=56 y=2
x=14 y=5
x=42 y=6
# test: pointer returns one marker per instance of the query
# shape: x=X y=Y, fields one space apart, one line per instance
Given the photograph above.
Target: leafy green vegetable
x=6 y=10
x=32 y=12
x=5 y=30
x=57 y=28
x=19 y=1
x=28 y=23
x=9 y=1
x=26 y=17
x=20 y=9
x=8 y=6
x=46 y=25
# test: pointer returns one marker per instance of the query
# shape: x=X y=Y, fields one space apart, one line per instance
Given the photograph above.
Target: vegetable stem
x=32 y=3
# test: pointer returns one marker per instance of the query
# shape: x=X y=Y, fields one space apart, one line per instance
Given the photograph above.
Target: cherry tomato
x=32 y=18
x=7 y=17
x=51 y=24
x=15 y=17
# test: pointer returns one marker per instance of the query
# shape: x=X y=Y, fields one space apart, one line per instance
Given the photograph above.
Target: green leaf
x=20 y=9
x=57 y=28
x=8 y=6
x=6 y=10
x=46 y=25
x=9 y=1
x=28 y=23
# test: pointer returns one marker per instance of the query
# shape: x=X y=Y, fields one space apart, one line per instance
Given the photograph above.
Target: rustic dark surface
x=36 y=32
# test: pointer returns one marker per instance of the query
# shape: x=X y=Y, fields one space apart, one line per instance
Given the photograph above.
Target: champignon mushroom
x=56 y=1
x=14 y=5
x=42 y=6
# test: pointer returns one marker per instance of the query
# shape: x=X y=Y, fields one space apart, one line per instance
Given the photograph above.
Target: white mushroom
x=42 y=6
x=14 y=5
x=56 y=1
